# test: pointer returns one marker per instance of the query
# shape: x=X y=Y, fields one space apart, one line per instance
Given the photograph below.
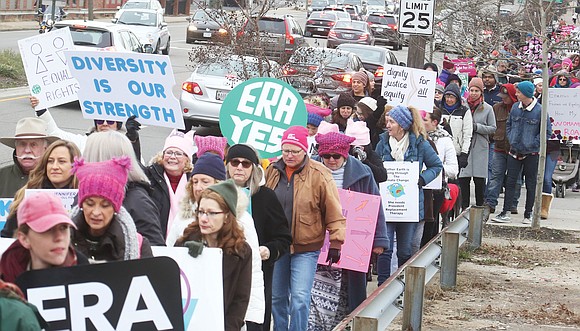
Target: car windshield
x=343 y=15
x=354 y=25
x=201 y=15
x=366 y=55
x=319 y=3
x=323 y=15
x=317 y=56
x=381 y=19
x=138 y=18
x=136 y=5
x=91 y=38
x=232 y=68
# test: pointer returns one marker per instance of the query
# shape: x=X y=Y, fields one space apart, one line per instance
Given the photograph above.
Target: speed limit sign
x=416 y=16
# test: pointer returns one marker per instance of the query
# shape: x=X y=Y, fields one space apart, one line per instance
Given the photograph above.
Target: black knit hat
x=345 y=99
x=242 y=150
x=211 y=165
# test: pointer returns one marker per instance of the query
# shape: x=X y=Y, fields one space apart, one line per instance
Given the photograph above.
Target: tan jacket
x=316 y=207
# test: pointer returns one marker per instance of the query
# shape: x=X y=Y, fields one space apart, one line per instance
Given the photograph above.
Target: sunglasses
x=101 y=122
x=246 y=164
x=334 y=156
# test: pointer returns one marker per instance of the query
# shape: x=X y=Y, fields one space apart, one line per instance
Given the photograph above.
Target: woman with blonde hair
x=52 y=172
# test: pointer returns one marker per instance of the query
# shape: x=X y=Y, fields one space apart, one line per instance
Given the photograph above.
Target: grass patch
x=11 y=69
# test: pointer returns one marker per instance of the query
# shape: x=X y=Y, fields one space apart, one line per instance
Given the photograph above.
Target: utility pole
x=416 y=54
x=91 y=14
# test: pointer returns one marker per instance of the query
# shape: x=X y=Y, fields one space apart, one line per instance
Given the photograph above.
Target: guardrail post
x=365 y=324
x=449 y=260
x=413 y=298
x=475 y=227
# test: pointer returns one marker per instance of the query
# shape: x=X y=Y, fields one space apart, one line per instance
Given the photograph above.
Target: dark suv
x=385 y=29
x=279 y=36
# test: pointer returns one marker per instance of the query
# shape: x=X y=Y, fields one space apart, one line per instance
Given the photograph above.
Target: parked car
x=206 y=25
x=107 y=36
x=340 y=11
x=204 y=91
x=140 y=4
x=319 y=23
x=280 y=36
x=317 y=5
x=385 y=29
x=331 y=69
x=373 y=59
x=357 y=32
x=354 y=12
x=149 y=26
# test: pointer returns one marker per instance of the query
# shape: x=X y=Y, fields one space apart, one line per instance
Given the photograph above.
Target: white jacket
x=461 y=130
x=53 y=130
x=446 y=152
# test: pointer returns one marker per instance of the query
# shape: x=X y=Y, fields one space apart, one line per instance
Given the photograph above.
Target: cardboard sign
x=49 y=78
x=4 y=210
x=400 y=193
x=361 y=211
x=258 y=111
x=115 y=86
x=201 y=286
x=465 y=65
x=563 y=105
x=409 y=87
x=130 y=295
x=67 y=196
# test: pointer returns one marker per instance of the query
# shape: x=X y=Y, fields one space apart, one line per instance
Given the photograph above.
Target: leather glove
x=333 y=256
x=132 y=126
x=462 y=160
x=195 y=247
x=421 y=182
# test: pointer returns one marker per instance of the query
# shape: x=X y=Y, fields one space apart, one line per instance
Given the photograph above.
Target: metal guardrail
x=404 y=290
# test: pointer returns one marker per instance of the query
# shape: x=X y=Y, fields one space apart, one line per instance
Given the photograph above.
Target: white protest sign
x=4 y=210
x=67 y=196
x=435 y=184
x=409 y=87
x=400 y=193
x=563 y=105
x=201 y=286
x=49 y=78
x=115 y=86
x=4 y=244
x=416 y=16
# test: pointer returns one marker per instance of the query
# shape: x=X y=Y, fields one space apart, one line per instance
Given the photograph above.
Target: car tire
x=156 y=51
x=395 y=47
x=400 y=46
x=167 y=47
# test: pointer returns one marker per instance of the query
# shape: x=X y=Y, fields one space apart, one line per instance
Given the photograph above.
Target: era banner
x=117 y=85
x=400 y=193
x=361 y=211
x=48 y=75
x=409 y=87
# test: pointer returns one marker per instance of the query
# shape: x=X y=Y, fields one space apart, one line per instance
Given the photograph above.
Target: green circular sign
x=36 y=89
x=258 y=111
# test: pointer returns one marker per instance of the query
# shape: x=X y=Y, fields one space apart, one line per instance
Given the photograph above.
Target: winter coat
x=483 y=126
x=12 y=178
x=419 y=151
x=144 y=212
x=446 y=151
x=523 y=128
x=17 y=314
x=374 y=162
x=460 y=123
x=119 y=243
x=237 y=277
x=491 y=96
x=501 y=142
x=311 y=204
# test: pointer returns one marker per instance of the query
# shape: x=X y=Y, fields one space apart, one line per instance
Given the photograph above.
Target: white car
x=149 y=26
x=139 y=4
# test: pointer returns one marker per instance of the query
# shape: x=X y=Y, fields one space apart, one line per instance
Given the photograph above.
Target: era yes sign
x=416 y=16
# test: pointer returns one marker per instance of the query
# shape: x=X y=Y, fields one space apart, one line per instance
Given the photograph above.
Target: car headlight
x=191 y=28
x=222 y=30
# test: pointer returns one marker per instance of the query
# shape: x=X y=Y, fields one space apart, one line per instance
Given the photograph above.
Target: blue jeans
x=291 y=287
x=551 y=162
x=529 y=166
x=405 y=233
x=489 y=167
x=495 y=183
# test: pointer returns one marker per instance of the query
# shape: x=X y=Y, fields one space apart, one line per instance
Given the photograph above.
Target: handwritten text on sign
x=361 y=211
x=400 y=192
x=409 y=87
x=563 y=105
x=116 y=86
x=49 y=78
x=258 y=111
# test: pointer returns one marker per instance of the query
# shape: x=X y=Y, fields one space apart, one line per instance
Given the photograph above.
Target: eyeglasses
x=293 y=152
x=438 y=92
x=563 y=79
x=245 y=163
x=177 y=154
x=209 y=214
x=101 y=122
x=328 y=156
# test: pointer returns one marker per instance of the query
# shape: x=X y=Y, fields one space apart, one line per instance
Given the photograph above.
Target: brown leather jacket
x=502 y=112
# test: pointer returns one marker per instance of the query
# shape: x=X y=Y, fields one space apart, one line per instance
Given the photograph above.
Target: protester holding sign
x=405 y=140
x=309 y=196
x=43 y=238
x=103 y=146
x=243 y=166
x=53 y=172
x=105 y=230
x=215 y=225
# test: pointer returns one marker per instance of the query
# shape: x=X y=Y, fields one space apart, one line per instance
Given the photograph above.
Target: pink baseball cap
x=42 y=211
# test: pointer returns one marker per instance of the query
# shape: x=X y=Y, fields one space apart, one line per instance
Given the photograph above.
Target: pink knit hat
x=210 y=144
x=326 y=127
x=314 y=109
x=183 y=141
x=297 y=136
x=568 y=62
x=359 y=131
x=333 y=143
x=103 y=179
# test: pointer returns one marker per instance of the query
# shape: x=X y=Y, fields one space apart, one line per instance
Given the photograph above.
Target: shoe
x=546 y=203
x=527 y=220
x=514 y=211
x=575 y=187
x=487 y=210
x=503 y=217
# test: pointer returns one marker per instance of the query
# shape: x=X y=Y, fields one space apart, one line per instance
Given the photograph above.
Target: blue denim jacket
x=523 y=129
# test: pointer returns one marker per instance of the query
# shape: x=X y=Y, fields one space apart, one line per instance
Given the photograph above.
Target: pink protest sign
x=465 y=65
x=361 y=212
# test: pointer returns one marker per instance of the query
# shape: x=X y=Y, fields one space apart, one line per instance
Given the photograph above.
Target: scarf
x=398 y=148
x=174 y=198
x=438 y=133
x=473 y=104
x=450 y=109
